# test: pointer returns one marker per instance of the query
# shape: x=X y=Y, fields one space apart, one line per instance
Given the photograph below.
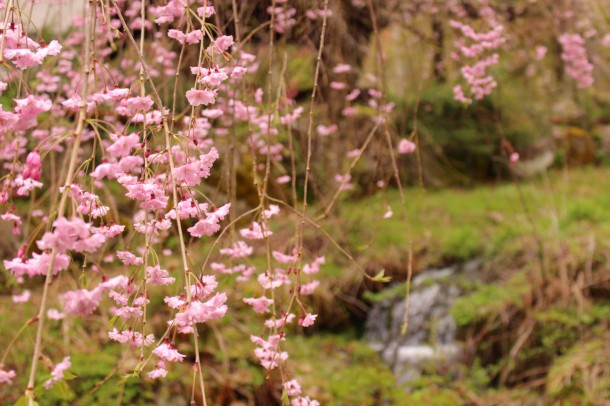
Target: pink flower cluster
x=140 y=179
x=474 y=46
x=574 y=56
x=23 y=51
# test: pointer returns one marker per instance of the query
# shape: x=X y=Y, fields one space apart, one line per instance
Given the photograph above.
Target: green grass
x=457 y=224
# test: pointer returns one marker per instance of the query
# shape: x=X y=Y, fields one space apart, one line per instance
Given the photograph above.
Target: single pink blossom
x=308 y=320
x=157 y=276
x=159 y=371
x=198 y=97
x=260 y=305
x=292 y=387
x=167 y=352
x=406 y=147
x=57 y=372
x=7 y=376
x=389 y=213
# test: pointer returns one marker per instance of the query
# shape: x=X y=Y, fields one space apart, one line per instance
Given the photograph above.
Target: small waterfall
x=430 y=340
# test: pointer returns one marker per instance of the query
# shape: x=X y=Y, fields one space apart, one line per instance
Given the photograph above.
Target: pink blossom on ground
x=389 y=213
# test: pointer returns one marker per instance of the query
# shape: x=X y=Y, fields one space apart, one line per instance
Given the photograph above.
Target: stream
x=430 y=340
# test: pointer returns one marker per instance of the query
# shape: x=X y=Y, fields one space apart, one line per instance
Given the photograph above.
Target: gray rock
x=431 y=336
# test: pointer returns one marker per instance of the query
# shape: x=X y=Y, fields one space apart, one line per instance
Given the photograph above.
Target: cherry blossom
x=198 y=97
x=406 y=147
x=308 y=320
x=260 y=305
x=7 y=376
x=159 y=371
x=167 y=352
x=57 y=372
x=157 y=276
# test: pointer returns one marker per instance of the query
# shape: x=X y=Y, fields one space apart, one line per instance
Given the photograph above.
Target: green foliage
x=396 y=290
x=343 y=371
x=469 y=137
x=380 y=277
x=581 y=375
x=586 y=211
x=433 y=388
x=300 y=67
x=462 y=244
x=488 y=299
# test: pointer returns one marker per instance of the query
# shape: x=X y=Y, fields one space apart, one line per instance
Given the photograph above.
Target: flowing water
x=430 y=340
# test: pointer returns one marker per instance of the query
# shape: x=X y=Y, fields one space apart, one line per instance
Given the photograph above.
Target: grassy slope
x=517 y=229
x=457 y=224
